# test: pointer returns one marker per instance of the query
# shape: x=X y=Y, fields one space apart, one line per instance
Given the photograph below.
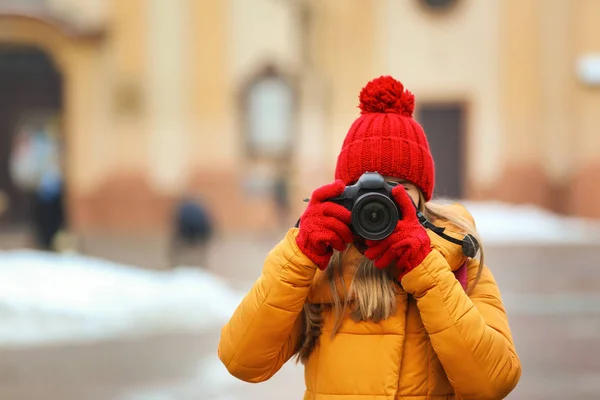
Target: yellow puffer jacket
x=440 y=344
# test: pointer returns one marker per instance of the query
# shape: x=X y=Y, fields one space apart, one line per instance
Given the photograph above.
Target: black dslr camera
x=374 y=211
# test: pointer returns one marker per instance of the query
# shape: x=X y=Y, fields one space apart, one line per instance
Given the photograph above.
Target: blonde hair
x=372 y=290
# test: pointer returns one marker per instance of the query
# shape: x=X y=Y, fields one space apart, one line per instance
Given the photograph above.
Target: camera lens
x=374 y=216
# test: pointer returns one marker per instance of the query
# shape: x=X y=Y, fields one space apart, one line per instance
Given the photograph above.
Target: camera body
x=374 y=211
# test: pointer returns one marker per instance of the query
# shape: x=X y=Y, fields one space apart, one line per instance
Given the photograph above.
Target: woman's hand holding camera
x=408 y=245
x=324 y=226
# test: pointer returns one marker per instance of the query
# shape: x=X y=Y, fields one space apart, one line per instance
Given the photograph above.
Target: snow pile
x=54 y=297
x=527 y=224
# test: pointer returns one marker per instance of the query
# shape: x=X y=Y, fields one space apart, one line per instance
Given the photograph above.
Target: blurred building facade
x=224 y=98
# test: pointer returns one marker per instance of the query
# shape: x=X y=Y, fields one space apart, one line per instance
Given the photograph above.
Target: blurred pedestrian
x=281 y=197
x=192 y=232
x=412 y=315
x=37 y=167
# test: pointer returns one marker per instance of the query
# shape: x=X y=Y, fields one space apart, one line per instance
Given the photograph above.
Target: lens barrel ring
x=374 y=216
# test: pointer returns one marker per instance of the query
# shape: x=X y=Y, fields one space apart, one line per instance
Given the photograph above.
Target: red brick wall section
x=232 y=206
x=130 y=204
x=577 y=196
x=525 y=184
x=585 y=192
x=121 y=203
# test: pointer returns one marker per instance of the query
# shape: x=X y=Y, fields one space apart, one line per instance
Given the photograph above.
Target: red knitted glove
x=324 y=226
x=408 y=245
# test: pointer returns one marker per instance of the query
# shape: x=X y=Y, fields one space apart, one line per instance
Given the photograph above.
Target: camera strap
x=469 y=244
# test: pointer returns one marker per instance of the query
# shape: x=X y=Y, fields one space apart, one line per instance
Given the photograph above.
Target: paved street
x=552 y=294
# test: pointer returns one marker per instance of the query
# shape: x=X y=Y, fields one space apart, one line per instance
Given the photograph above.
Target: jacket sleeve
x=264 y=331
x=470 y=334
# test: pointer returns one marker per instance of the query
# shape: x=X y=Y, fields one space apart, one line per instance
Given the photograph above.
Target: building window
x=269 y=114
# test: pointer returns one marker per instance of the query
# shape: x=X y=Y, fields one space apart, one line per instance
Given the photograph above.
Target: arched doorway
x=56 y=64
x=30 y=98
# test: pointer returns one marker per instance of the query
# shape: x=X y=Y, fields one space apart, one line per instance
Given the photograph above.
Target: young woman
x=406 y=317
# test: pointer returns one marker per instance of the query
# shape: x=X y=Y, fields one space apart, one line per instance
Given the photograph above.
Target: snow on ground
x=68 y=297
x=527 y=224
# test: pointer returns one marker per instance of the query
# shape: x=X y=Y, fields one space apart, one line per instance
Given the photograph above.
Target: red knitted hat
x=386 y=138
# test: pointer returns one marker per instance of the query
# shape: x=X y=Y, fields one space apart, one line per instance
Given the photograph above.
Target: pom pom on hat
x=386 y=95
x=387 y=139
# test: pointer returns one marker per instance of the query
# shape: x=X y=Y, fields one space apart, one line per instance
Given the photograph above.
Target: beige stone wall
x=167 y=88
x=585 y=195
x=342 y=54
x=113 y=188
x=152 y=108
x=186 y=61
x=452 y=56
x=212 y=139
x=550 y=118
x=523 y=174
